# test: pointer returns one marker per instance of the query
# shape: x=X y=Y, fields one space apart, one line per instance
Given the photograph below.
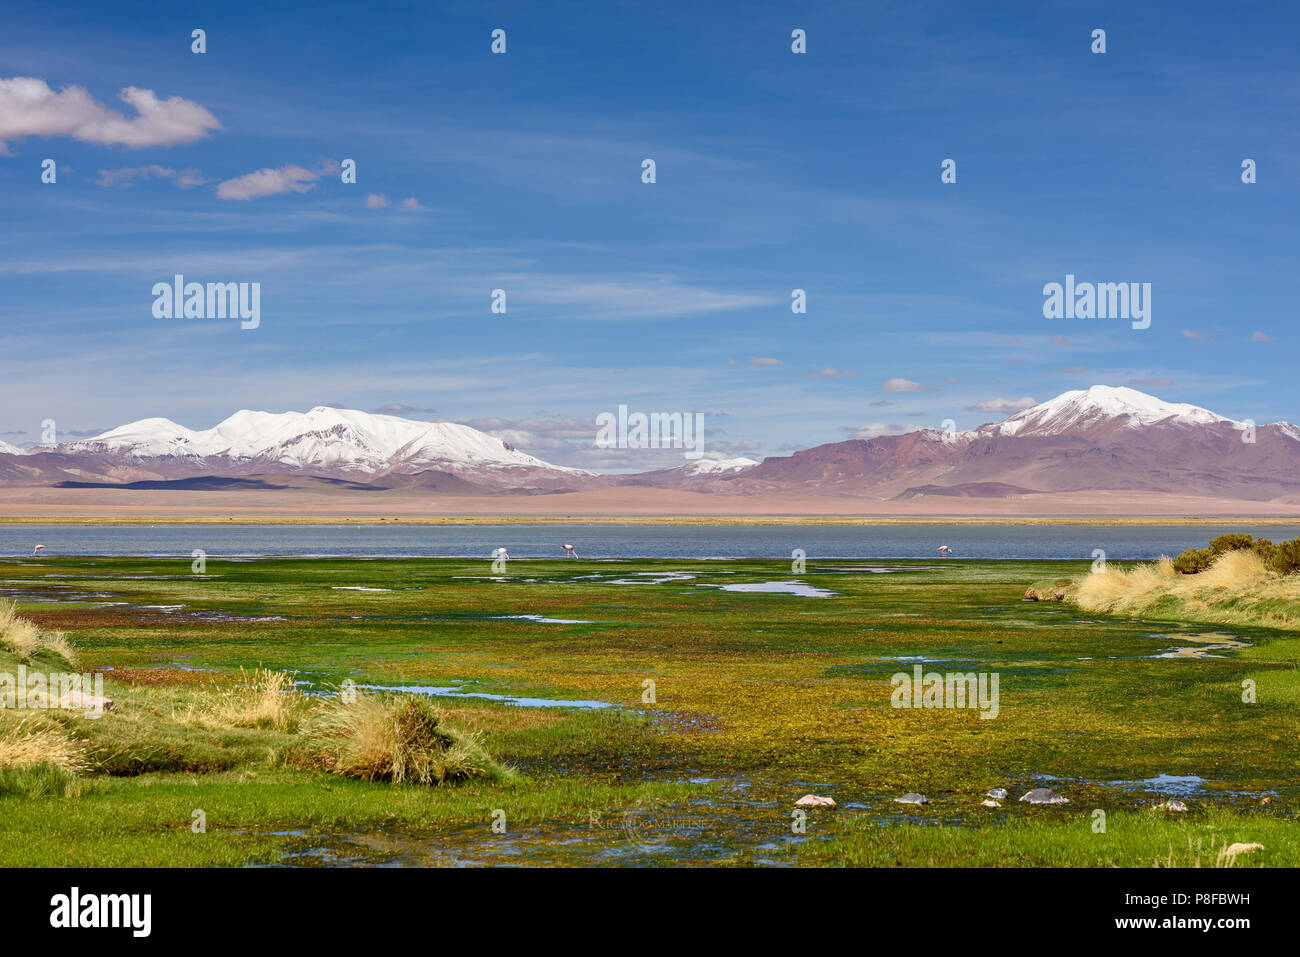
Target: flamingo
x=945 y=550
x=501 y=553
x=37 y=550
x=570 y=551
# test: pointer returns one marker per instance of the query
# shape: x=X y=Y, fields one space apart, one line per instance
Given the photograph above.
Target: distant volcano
x=1102 y=438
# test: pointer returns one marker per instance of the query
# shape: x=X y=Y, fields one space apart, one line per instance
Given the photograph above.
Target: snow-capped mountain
x=1102 y=438
x=325 y=441
x=701 y=475
x=1098 y=439
x=7 y=449
x=1082 y=410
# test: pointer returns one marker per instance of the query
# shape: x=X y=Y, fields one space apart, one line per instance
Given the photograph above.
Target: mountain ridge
x=1097 y=438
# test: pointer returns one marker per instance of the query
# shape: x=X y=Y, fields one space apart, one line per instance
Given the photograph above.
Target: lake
x=1120 y=542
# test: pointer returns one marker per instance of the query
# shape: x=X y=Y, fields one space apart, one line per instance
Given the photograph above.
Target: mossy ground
x=758 y=698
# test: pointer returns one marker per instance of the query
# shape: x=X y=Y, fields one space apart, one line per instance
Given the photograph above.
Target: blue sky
x=775 y=171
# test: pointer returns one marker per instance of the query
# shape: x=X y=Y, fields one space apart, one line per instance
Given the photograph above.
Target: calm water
x=625 y=541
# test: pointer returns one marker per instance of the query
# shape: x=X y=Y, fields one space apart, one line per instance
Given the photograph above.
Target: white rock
x=80 y=701
x=1232 y=850
x=1044 y=796
x=814 y=800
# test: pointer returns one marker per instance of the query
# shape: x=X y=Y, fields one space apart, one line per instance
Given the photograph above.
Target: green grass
x=758 y=698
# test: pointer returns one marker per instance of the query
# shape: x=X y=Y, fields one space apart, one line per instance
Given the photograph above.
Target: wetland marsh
x=655 y=721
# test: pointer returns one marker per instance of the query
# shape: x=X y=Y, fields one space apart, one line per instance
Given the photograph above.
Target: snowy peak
x=718 y=466
x=7 y=449
x=323 y=438
x=1083 y=410
x=147 y=438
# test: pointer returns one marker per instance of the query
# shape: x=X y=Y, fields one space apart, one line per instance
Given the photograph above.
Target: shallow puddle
x=451 y=691
x=1206 y=644
x=778 y=588
x=539 y=619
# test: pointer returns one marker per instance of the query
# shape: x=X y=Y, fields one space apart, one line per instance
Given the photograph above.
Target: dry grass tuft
x=25 y=639
x=32 y=743
x=261 y=699
x=401 y=739
x=1198 y=855
x=1237 y=589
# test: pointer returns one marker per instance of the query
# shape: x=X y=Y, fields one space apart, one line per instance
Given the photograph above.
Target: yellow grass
x=24 y=639
x=1238 y=588
x=31 y=743
x=401 y=740
x=262 y=699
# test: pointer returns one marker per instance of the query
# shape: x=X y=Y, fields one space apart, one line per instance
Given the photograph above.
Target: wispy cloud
x=904 y=385
x=271 y=182
x=661 y=296
x=184 y=178
x=873 y=430
x=399 y=408
x=1000 y=404
x=1154 y=383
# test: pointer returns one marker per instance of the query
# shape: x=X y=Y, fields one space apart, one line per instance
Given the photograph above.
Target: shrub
x=1282 y=558
x=1285 y=559
x=1265 y=550
x=1232 y=542
x=1193 y=560
x=401 y=739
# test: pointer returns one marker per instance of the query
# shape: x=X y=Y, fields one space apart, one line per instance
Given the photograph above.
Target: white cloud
x=29 y=107
x=376 y=201
x=411 y=203
x=874 y=430
x=904 y=385
x=269 y=182
x=1000 y=404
